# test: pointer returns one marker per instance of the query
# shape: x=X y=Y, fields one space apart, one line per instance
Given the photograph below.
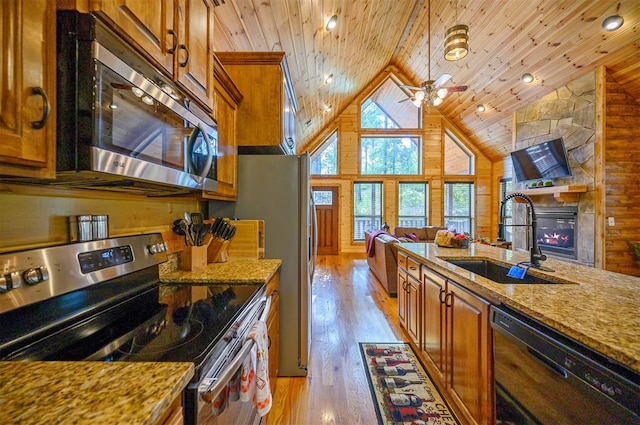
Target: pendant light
x=456 y=42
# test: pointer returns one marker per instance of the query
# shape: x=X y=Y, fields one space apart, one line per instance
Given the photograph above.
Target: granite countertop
x=244 y=271
x=598 y=308
x=89 y=392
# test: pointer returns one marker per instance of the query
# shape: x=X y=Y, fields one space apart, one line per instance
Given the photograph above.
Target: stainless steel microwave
x=122 y=124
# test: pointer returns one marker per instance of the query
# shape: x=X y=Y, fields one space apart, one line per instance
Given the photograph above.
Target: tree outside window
x=458 y=206
x=367 y=208
x=413 y=204
x=390 y=155
x=324 y=161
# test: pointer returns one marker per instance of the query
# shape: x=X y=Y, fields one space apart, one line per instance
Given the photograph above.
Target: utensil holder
x=194 y=258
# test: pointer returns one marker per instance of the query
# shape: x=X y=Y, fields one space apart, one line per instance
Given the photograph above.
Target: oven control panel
x=102 y=258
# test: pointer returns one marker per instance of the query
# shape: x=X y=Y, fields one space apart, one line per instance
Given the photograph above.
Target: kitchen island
x=234 y=271
x=90 y=392
x=597 y=308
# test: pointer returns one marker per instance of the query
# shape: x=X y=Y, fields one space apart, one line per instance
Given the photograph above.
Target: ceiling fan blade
x=442 y=79
x=404 y=100
x=404 y=86
x=456 y=89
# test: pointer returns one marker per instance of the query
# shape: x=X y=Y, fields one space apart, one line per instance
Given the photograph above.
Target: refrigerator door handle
x=314 y=227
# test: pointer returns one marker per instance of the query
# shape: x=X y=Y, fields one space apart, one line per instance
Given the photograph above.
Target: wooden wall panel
x=621 y=188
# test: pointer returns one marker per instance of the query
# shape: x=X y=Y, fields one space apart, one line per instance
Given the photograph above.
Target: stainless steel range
x=103 y=301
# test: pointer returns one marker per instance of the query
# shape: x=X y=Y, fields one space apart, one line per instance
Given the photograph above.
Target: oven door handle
x=218 y=385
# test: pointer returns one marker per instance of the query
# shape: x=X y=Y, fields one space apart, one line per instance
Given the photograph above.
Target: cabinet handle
x=38 y=91
x=186 y=60
x=440 y=296
x=175 y=42
x=447 y=299
x=268 y=341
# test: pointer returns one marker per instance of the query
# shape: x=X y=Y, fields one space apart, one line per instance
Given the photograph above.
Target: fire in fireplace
x=557 y=231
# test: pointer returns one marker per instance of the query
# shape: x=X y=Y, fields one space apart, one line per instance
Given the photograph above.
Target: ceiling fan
x=431 y=91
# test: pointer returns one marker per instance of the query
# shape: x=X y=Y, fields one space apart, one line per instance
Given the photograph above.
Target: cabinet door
x=469 y=372
x=194 y=55
x=434 y=291
x=147 y=24
x=414 y=309
x=402 y=298
x=27 y=88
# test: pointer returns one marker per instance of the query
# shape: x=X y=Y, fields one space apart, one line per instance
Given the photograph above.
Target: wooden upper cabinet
x=176 y=35
x=194 y=54
x=266 y=115
x=27 y=88
x=148 y=25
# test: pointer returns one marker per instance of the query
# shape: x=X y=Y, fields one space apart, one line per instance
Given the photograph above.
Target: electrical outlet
x=612 y=221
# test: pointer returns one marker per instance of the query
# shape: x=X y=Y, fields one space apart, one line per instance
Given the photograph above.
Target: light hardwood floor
x=349 y=306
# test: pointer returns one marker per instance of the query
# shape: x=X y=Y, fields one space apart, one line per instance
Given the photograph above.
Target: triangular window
x=388 y=107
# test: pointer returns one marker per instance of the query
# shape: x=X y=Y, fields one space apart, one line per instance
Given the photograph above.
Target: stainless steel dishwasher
x=543 y=377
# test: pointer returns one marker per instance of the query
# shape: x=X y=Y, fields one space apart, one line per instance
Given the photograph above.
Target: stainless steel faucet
x=535 y=252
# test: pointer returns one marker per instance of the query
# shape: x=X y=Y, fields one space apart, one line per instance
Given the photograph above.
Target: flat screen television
x=543 y=161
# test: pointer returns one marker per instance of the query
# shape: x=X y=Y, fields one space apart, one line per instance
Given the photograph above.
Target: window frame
x=372 y=225
x=506 y=219
x=447 y=132
x=395 y=134
x=317 y=153
x=472 y=201
x=426 y=200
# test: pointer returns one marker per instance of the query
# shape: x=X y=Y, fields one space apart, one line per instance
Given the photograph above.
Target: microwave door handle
x=207 y=165
x=218 y=385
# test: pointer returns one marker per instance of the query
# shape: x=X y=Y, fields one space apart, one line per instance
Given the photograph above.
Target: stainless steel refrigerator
x=276 y=189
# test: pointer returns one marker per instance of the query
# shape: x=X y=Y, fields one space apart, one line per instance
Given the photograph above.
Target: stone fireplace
x=557 y=232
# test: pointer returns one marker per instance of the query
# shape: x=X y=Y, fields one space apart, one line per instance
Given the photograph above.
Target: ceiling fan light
x=419 y=95
x=612 y=23
x=442 y=92
x=332 y=22
x=437 y=101
x=456 y=44
x=416 y=102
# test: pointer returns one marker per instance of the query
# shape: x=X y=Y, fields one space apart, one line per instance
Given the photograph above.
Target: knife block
x=194 y=258
x=217 y=251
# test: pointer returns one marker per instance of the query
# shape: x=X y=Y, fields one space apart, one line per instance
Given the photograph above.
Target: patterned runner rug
x=401 y=388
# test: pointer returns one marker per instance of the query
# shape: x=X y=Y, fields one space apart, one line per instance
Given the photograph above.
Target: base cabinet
x=273 y=330
x=456 y=340
x=409 y=297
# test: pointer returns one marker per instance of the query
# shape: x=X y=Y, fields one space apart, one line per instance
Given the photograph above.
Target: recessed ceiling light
x=331 y=24
x=527 y=78
x=329 y=79
x=327 y=108
x=480 y=108
x=612 y=23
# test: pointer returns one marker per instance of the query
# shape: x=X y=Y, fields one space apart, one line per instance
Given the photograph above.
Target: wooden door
x=469 y=370
x=194 y=61
x=27 y=88
x=326 y=201
x=148 y=24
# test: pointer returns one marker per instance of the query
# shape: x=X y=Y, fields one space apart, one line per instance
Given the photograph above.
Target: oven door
x=214 y=386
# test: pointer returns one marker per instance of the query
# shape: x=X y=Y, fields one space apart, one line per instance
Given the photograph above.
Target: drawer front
x=413 y=267
x=402 y=261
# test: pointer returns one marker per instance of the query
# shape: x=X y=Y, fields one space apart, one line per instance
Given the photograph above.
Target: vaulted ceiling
x=555 y=40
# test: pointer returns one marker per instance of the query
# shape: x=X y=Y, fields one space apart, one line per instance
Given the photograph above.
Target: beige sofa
x=382 y=254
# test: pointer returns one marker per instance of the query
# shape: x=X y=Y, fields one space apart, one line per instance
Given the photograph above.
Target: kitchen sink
x=497 y=272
